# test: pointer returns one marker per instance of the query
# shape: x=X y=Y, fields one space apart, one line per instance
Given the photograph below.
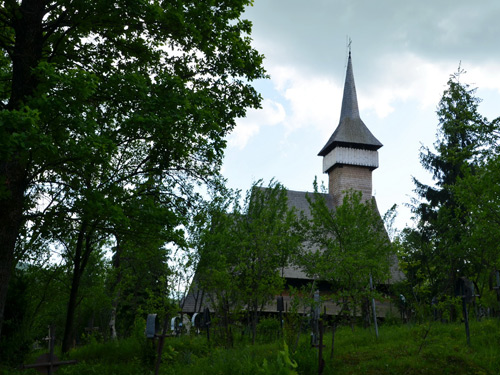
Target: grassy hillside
x=408 y=349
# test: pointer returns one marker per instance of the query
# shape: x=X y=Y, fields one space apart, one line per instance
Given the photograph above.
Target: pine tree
x=442 y=217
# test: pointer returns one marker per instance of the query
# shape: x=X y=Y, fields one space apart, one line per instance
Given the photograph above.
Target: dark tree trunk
x=82 y=254
x=11 y=219
x=27 y=49
x=26 y=20
x=70 y=313
x=116 y=289
x=255 y=318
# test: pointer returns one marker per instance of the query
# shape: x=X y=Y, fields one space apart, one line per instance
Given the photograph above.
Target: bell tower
x=350 y=155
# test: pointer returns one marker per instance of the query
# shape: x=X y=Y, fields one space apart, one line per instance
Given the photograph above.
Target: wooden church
x=349 y=158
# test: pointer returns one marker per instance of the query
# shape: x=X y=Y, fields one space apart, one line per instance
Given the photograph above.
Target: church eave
x=340 y=165
x=362 y=146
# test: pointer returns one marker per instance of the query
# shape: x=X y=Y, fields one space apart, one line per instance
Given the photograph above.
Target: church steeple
x=350 y=99
x=350 y=155
x=351 y=131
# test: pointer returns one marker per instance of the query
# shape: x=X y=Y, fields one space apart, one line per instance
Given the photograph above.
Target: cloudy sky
x=403 y=53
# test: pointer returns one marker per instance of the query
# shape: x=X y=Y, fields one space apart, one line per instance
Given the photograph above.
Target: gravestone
x=152 y=326
x=196 y=322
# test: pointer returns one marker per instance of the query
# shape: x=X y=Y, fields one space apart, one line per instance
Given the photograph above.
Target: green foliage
x=346 y=244
x=293 y=320
x=285 y=360
x=242 y=252
x=454 y=236
x=109 y=352
x=38 y=298
x=392 y=318
x=101 y=368
x=284 y=365
x=109 y=109
x=306 y=357
x=268 y=241
x=479 y=193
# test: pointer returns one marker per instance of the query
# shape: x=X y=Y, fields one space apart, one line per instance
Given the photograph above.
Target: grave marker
x=280 y=307
x=465 y=290
x=48 y=363
x=152 y=326
x=207 y=321
x=315 y=311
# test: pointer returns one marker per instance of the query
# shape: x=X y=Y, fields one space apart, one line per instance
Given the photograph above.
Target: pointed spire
x=350 y=99
x=351 y=131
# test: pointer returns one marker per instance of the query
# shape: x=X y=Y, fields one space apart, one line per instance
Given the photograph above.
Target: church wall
x=346 y=177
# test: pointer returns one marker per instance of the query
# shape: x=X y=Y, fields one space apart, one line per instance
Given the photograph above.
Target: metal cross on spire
x=348 y=46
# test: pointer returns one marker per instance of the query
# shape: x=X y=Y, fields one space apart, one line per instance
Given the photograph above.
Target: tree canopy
x=243 y=250
x=103 y=102
x=346 y=246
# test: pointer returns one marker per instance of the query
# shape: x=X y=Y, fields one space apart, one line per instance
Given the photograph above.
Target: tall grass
x=431 y=348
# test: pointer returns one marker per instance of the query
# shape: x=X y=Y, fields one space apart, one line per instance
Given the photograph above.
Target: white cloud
x=402 y=77
x=484 y=76
x=314 y=101
x=270 y=114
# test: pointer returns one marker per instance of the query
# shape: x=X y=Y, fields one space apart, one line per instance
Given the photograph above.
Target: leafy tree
x=243 y=252
x=346 y=245
x=140 y=260
x=269 y=240
x=124 y=91
x=421 y=274
x=217 y=247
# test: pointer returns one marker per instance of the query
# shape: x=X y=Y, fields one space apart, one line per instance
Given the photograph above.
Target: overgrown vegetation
x=400 y=349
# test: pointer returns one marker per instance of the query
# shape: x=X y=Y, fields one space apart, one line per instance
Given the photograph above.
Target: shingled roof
x=298 y=200
x=351 y=131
